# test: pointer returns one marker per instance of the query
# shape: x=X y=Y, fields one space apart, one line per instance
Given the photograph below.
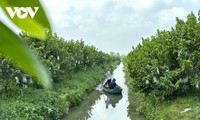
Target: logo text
x=22 y=12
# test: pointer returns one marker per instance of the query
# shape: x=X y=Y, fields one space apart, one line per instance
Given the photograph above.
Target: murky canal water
x=101 y=106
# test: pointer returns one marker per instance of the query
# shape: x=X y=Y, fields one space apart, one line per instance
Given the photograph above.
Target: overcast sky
x=115 y=25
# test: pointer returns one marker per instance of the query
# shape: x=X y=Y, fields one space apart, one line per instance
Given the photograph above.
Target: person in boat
x=108 y=78
x=112 y=84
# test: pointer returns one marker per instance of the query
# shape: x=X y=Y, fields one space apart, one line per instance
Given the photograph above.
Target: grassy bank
x=34 y=104
x=174 y=109
x=169 y=109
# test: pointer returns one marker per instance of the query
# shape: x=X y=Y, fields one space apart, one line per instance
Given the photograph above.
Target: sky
x=115 y=25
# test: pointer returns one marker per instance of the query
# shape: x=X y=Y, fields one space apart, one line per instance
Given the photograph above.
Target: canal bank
x=39 y=104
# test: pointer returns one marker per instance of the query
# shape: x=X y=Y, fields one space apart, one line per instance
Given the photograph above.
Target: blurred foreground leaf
x=14 y=48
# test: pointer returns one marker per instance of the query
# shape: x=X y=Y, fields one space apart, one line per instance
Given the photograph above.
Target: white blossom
x=197 y=85
x=17 y=80
x=155 y=79
x=30 y=81
x=147 y=82
x=58 y=57
x=25 y=86
x=157 y=70
x=185 y=80
x=24 y=79
x=179 y=54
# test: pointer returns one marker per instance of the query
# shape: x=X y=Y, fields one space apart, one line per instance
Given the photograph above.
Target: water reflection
x=132 y=113
x=83 y=111
x=101 y=106
x=111 y=100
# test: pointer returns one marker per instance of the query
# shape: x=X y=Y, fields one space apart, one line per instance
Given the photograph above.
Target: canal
x=101 y=106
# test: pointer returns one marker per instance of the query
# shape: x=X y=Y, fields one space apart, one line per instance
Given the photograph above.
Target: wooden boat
x=115 y=90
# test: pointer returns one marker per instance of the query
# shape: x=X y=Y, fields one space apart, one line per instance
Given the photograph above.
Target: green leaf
x=18 y=51
x=36 y=26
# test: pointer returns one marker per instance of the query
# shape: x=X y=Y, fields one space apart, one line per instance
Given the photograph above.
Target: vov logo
x=22 y=12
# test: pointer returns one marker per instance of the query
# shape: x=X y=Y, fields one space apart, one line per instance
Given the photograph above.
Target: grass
x=173 y=109
x=40 y=104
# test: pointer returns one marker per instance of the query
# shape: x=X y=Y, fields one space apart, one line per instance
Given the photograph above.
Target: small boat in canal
x=116 y=90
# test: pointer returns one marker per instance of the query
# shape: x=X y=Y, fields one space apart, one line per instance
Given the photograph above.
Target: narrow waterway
x=101 y=106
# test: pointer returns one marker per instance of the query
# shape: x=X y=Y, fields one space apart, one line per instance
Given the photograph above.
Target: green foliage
x=34 y=104
x=165 y=110
x=75 y=68
x=14 y=48
x=168 y=64
x=59 y=56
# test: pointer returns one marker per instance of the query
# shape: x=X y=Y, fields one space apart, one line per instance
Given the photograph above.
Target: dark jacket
x=112 y=85
x=108 y=81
